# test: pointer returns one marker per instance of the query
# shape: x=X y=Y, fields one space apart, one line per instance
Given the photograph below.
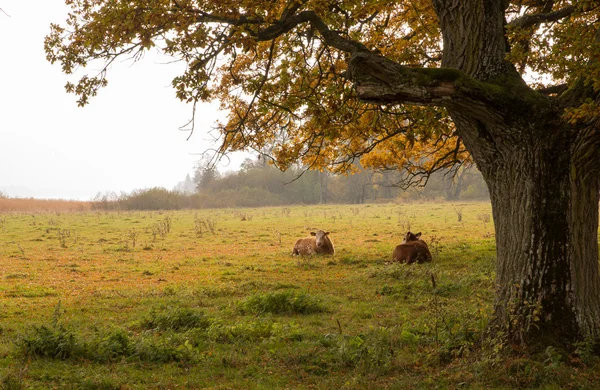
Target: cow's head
x=320 y=235
x=410 y=236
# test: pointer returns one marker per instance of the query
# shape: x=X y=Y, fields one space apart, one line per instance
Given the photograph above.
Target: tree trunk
x=545 y=207
x=543 y=190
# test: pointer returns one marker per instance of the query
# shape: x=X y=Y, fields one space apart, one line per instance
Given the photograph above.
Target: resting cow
x=411 y=250
x=319 y=243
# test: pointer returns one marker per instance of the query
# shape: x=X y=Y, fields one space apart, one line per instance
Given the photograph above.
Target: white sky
x=126 y=138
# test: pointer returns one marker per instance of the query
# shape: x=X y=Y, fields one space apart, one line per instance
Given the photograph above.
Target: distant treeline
x=258 y=184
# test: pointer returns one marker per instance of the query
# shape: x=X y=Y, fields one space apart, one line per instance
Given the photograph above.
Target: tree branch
x=535 y=19
x=380 y=80
x=553 y=89
x=330 y=37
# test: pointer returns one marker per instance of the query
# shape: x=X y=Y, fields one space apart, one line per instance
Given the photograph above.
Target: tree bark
x=544 y=198
x=473 y=36
x=546 y=222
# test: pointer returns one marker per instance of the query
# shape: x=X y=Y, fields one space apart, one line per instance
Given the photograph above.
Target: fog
x=128 y=137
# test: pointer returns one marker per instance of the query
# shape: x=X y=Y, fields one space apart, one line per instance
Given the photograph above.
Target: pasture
x=213 y=298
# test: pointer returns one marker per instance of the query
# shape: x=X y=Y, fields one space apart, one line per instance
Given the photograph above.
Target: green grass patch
x=282 y=302
x=177 y=319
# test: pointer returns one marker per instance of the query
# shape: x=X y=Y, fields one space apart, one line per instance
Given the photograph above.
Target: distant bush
x=156 y=198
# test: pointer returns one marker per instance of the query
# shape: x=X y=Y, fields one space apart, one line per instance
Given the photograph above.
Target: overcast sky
x=128 y=137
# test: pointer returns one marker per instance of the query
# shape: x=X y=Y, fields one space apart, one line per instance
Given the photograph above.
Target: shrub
x=282 y=302
x=110 y=347
x=54 y=342
x=177 y=319
x=246 y=331
x=156 y=198
x=162 y=351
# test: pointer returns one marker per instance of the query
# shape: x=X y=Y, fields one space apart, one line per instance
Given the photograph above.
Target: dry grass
x=29 y=205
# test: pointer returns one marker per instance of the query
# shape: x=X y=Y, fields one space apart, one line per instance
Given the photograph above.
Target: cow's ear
x=418 y=235
x=313 y=233
x=326 y=233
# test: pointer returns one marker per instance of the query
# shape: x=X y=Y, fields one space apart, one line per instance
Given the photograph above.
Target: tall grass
x=43 y=205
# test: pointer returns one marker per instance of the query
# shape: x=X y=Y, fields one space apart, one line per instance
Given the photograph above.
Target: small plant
x=19 y=246
x=553 y=358
x=199 y=227
x=459 y=212
x=203 y=225
x=133 y=237
x=245 y=217
x=62 y=235
x=162 y=228
x=585 y=351
x=165 y=225
x=403 y=219
x=485 y=218
x=278 y=236
x=210 y=224
x=54 y=341
x=434 y=245
x=437 y=309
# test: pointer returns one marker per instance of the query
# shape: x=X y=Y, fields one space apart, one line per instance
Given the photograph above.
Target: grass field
x=213 y=298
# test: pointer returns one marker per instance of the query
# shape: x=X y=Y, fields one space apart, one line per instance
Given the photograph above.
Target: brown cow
x=319 y=243
x=411 y=250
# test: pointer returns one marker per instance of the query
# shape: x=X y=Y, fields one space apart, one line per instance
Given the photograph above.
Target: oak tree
x=418 y=84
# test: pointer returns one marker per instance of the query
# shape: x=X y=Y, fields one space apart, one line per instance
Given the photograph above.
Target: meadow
x=214 y=299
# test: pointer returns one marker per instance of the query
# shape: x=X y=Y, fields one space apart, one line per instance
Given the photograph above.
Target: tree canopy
x=280 y=68
x=424 y=85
